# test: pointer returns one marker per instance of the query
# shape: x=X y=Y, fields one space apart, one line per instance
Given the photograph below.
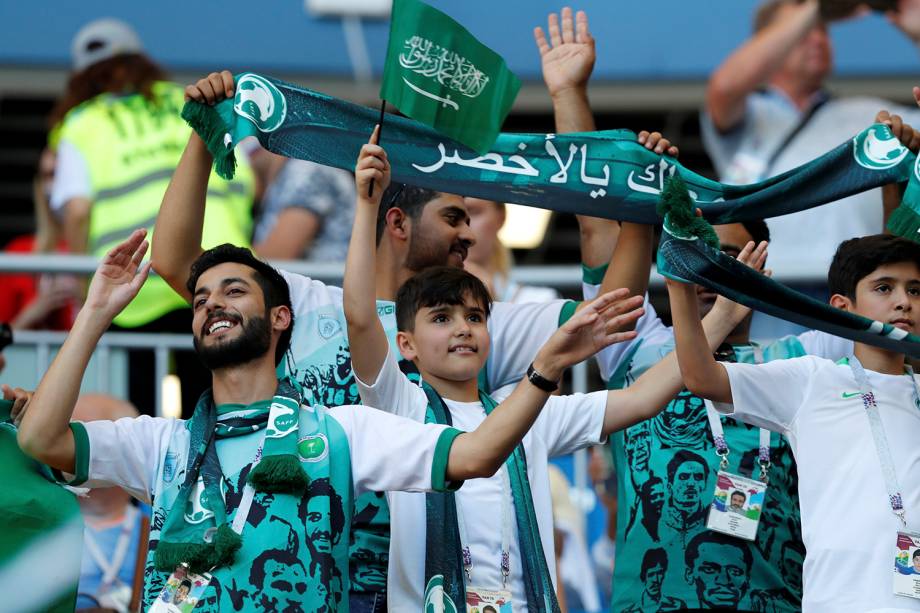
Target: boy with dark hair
x=255 y=469
x=442 y=316
x=851 y=425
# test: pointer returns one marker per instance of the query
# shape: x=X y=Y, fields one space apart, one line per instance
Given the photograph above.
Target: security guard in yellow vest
x=118 y=138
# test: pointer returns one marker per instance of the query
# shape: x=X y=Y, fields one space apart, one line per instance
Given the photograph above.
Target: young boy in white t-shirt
x=494 y=552
x=851 y=517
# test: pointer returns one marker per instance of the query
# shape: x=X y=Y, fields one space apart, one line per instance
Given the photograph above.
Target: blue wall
x=638 y=39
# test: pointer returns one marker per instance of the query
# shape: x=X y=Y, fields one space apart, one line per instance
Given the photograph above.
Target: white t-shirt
x=566 y=423
x=848 y=527
x=145 y=455
x=740 y=156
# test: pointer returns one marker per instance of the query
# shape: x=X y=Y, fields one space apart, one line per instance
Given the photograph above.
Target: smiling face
x=441 y=235
x=890 y=294
x=449 y=342
x=230 y=323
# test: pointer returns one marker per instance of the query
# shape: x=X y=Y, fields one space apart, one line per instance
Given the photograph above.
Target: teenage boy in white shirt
x=442 y=316
x=850 y=522
x=256 y=487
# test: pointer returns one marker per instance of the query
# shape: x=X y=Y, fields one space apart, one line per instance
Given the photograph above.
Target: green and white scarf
x=689 y=251
x=196 y=531
x=601 y=174
x=443 y=549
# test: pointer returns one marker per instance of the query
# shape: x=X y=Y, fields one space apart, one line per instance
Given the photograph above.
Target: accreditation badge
x=479 y=600
x=183 y=590
x=737 y=506
x=907 y=565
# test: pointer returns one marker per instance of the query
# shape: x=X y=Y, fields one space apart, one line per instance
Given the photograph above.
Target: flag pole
x=383 y=106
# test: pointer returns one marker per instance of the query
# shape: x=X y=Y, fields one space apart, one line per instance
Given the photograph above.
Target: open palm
x=120 y=276
x=568 y=57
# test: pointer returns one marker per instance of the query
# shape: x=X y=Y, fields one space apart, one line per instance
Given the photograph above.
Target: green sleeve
x=439 y=481
x=80 y=457
x=568 y=309
x=595 y=275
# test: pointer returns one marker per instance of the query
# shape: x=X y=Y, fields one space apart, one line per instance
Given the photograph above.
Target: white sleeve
x=391 y=453
x=769 y=395
x=307 y=293
x=649 y=331
x=518 y=332
x=824 y=345
x=393 y=392
x=71 y=177
x=126 y=453
x=572 y=422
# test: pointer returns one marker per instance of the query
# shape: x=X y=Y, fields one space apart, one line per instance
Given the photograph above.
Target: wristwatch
x=539 y=381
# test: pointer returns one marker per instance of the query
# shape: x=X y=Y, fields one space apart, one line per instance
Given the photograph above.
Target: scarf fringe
x=680 y=212
x=212 y=129
x=279 y=474
x=905 y=222
x=201 y=557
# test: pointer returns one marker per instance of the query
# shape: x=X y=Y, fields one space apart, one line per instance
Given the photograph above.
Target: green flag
x=438 y=73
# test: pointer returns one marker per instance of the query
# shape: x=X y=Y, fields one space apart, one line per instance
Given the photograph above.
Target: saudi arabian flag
x=437 y=73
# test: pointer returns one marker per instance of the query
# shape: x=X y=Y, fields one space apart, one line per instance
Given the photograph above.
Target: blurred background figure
x=32 y=302
x=768 y=109
x=491 y=261
x=118 y=134
x=306 y=212
x=113 y=527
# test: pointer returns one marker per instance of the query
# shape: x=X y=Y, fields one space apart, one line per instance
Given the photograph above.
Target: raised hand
x=595 y=326
x=907 y=18
x=119 y=276
x=372 y=165
x=20 y=399
x=903 y=131
x=753 y=256
x=568 y=57
x=212 y=89
x=654 y=141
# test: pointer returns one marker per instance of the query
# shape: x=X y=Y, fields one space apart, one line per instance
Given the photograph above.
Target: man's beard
x=425 y=252
x=254 y=342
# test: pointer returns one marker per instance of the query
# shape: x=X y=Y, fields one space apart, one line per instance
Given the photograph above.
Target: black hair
x=436 y=286
x=652 y=558
x=708 y=536
x=916 y=553
x=274 y=287
x=322 y=487
x=738 y=492
x=681 y=457
x=281 y=556
x=758 y=229
x=187 y=583
x=410 y=199
x=857 y=258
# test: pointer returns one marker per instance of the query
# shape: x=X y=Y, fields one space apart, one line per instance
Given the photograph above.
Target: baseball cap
x=103 y=39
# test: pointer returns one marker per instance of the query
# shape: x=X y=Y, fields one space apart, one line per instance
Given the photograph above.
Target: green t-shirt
x=43 y=530
x=666 y=469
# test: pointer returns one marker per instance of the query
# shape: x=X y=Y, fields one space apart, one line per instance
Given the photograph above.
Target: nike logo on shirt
x=849 y=394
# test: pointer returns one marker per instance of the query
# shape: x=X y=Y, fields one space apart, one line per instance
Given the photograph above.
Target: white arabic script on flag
x=450 y=69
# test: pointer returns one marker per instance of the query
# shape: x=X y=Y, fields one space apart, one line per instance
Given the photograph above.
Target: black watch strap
x=539 y=381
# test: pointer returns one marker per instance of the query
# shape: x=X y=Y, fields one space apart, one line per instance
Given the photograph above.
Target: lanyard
x=111 y=567
x=878 y=434
x=242 y=511
x=505 y=554
x=718 y=434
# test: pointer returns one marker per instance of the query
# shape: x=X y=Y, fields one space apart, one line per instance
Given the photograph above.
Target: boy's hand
x=372 y=165
x=592 y=328
x=909 y=137
x=212 y=89
x=568 y=63
x=752 y=256
x=659 y=144
x=20 y=398
x=119 y=277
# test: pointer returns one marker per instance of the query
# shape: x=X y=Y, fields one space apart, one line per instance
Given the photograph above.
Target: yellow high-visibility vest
x=132 y=147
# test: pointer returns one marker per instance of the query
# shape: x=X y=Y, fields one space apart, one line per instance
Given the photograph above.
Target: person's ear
x=688 y=576
x=839 y=301
x=406 y=345
x=397 y=223
x=281 y=318
x=502 y=215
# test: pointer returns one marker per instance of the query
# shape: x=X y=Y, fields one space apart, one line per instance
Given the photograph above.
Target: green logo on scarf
x=283 y=421
x=436 y=601
x=313 y=448
x=260 y=102
x=877 y=148
x=196 y=507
